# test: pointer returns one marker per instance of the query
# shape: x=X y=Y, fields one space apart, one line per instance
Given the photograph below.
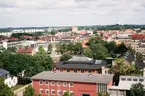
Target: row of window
x=65 y=84
x=129 y=79
x=53 y=92
x=75 y=71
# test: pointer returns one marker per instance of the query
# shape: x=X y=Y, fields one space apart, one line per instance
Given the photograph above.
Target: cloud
x=67 y=12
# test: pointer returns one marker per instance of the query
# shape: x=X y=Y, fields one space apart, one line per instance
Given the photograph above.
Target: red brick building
x=79 y=84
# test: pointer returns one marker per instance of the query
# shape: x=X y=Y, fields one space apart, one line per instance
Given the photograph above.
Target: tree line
x=16 y=63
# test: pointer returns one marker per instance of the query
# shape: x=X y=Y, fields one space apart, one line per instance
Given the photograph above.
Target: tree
x=50 y=47
x=68 y=94
x=121 y=49
x=4 y=89
x=65 y=57
x=41 y=49
x=137 y=90
x=29 y=91
x=139 y=56
x=88 y=52
x=99 y=51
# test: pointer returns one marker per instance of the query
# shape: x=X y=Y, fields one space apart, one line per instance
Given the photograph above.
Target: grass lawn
x=17 y=87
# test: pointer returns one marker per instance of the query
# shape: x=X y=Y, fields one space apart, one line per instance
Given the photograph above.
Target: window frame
x=52 y=83
x=40 y=81
x=64 y=84
x=70 y=84
x=52 y=92
x=41 y=91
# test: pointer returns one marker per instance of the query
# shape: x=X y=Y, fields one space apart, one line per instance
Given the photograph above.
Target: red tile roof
x=25 y=50
x=138 y=36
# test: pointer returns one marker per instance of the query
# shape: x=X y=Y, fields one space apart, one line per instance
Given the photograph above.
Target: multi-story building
x=56 y=84
x=80 y=64
x=125 y=83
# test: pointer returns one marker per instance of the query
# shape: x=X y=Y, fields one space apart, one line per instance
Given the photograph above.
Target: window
x=46 y=91
x=64 y=91
x=129 y=79
x=52 y=83
x=40 y=82
x=71 y=84
x=64 y=84
x=82 y=71
x=46 y=82
x=58 y=83
x=134 y=79
x=41 y=91
x=68 y=70
x=58 y=92
x=141 y=80
x=123 y=79
x=89 y=71
x=52 y=92
x=71 y=92
x=75 y=70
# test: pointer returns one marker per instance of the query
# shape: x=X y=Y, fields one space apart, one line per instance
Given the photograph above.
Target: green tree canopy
x=65 y=57
x=29 y=91
x=68 y=94
x=4 y=89
x=137 y=90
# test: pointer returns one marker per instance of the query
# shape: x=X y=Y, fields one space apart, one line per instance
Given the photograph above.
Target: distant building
x=74 y=29
x=8 y=80
x=56 y=84
x=29 y=51
x=80 y=64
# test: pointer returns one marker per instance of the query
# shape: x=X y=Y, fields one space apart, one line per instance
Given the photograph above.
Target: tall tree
x=137 y=90
x=29 y=91
x=4 y=89
x=50 y=47
x=65 y=57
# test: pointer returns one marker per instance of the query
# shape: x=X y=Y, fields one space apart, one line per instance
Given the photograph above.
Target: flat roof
x=74 y=77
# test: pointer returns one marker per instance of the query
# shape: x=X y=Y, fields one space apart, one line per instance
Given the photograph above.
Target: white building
x=8 y=80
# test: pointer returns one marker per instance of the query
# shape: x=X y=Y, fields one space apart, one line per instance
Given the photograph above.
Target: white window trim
x=64 y=91
x=58 y=84
x=70 y=85
x=58 y=92
x=46 y=92
x=65 y=85
x=40 y=83
x=51 y=92
x=52 y=84
x=41 y=90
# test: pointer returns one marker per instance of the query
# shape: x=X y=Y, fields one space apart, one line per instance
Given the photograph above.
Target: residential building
x=29 y=51
x=8 y=80
x=125 y=83
x=80 y=64
x=50 y=83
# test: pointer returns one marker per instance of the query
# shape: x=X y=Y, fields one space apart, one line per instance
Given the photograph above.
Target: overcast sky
x=22 y=13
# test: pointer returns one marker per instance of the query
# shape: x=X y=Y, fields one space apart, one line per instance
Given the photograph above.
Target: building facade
x=80 y=64
x=56 y=84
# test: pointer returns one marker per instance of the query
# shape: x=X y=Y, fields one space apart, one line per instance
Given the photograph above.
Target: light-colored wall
x=11 y=81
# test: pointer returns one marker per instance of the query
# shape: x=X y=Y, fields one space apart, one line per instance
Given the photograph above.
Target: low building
x=80 y=64
x=8 y=80
x=29 y=51
x=50 y=83
x=125 y=83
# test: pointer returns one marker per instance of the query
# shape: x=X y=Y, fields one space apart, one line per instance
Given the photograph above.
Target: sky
x=37 y=13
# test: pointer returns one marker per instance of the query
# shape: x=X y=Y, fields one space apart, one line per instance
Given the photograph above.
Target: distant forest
x=97 y=27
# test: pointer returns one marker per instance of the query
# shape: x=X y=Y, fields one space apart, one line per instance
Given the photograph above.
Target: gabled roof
x=3 y=72
x=74 y=77
x=81 y=63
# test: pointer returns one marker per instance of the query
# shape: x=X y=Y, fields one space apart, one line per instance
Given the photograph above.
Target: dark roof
x=139 y=64
x=82 y=63
x=129 y=57
x=74 y=77
x=3 y=72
